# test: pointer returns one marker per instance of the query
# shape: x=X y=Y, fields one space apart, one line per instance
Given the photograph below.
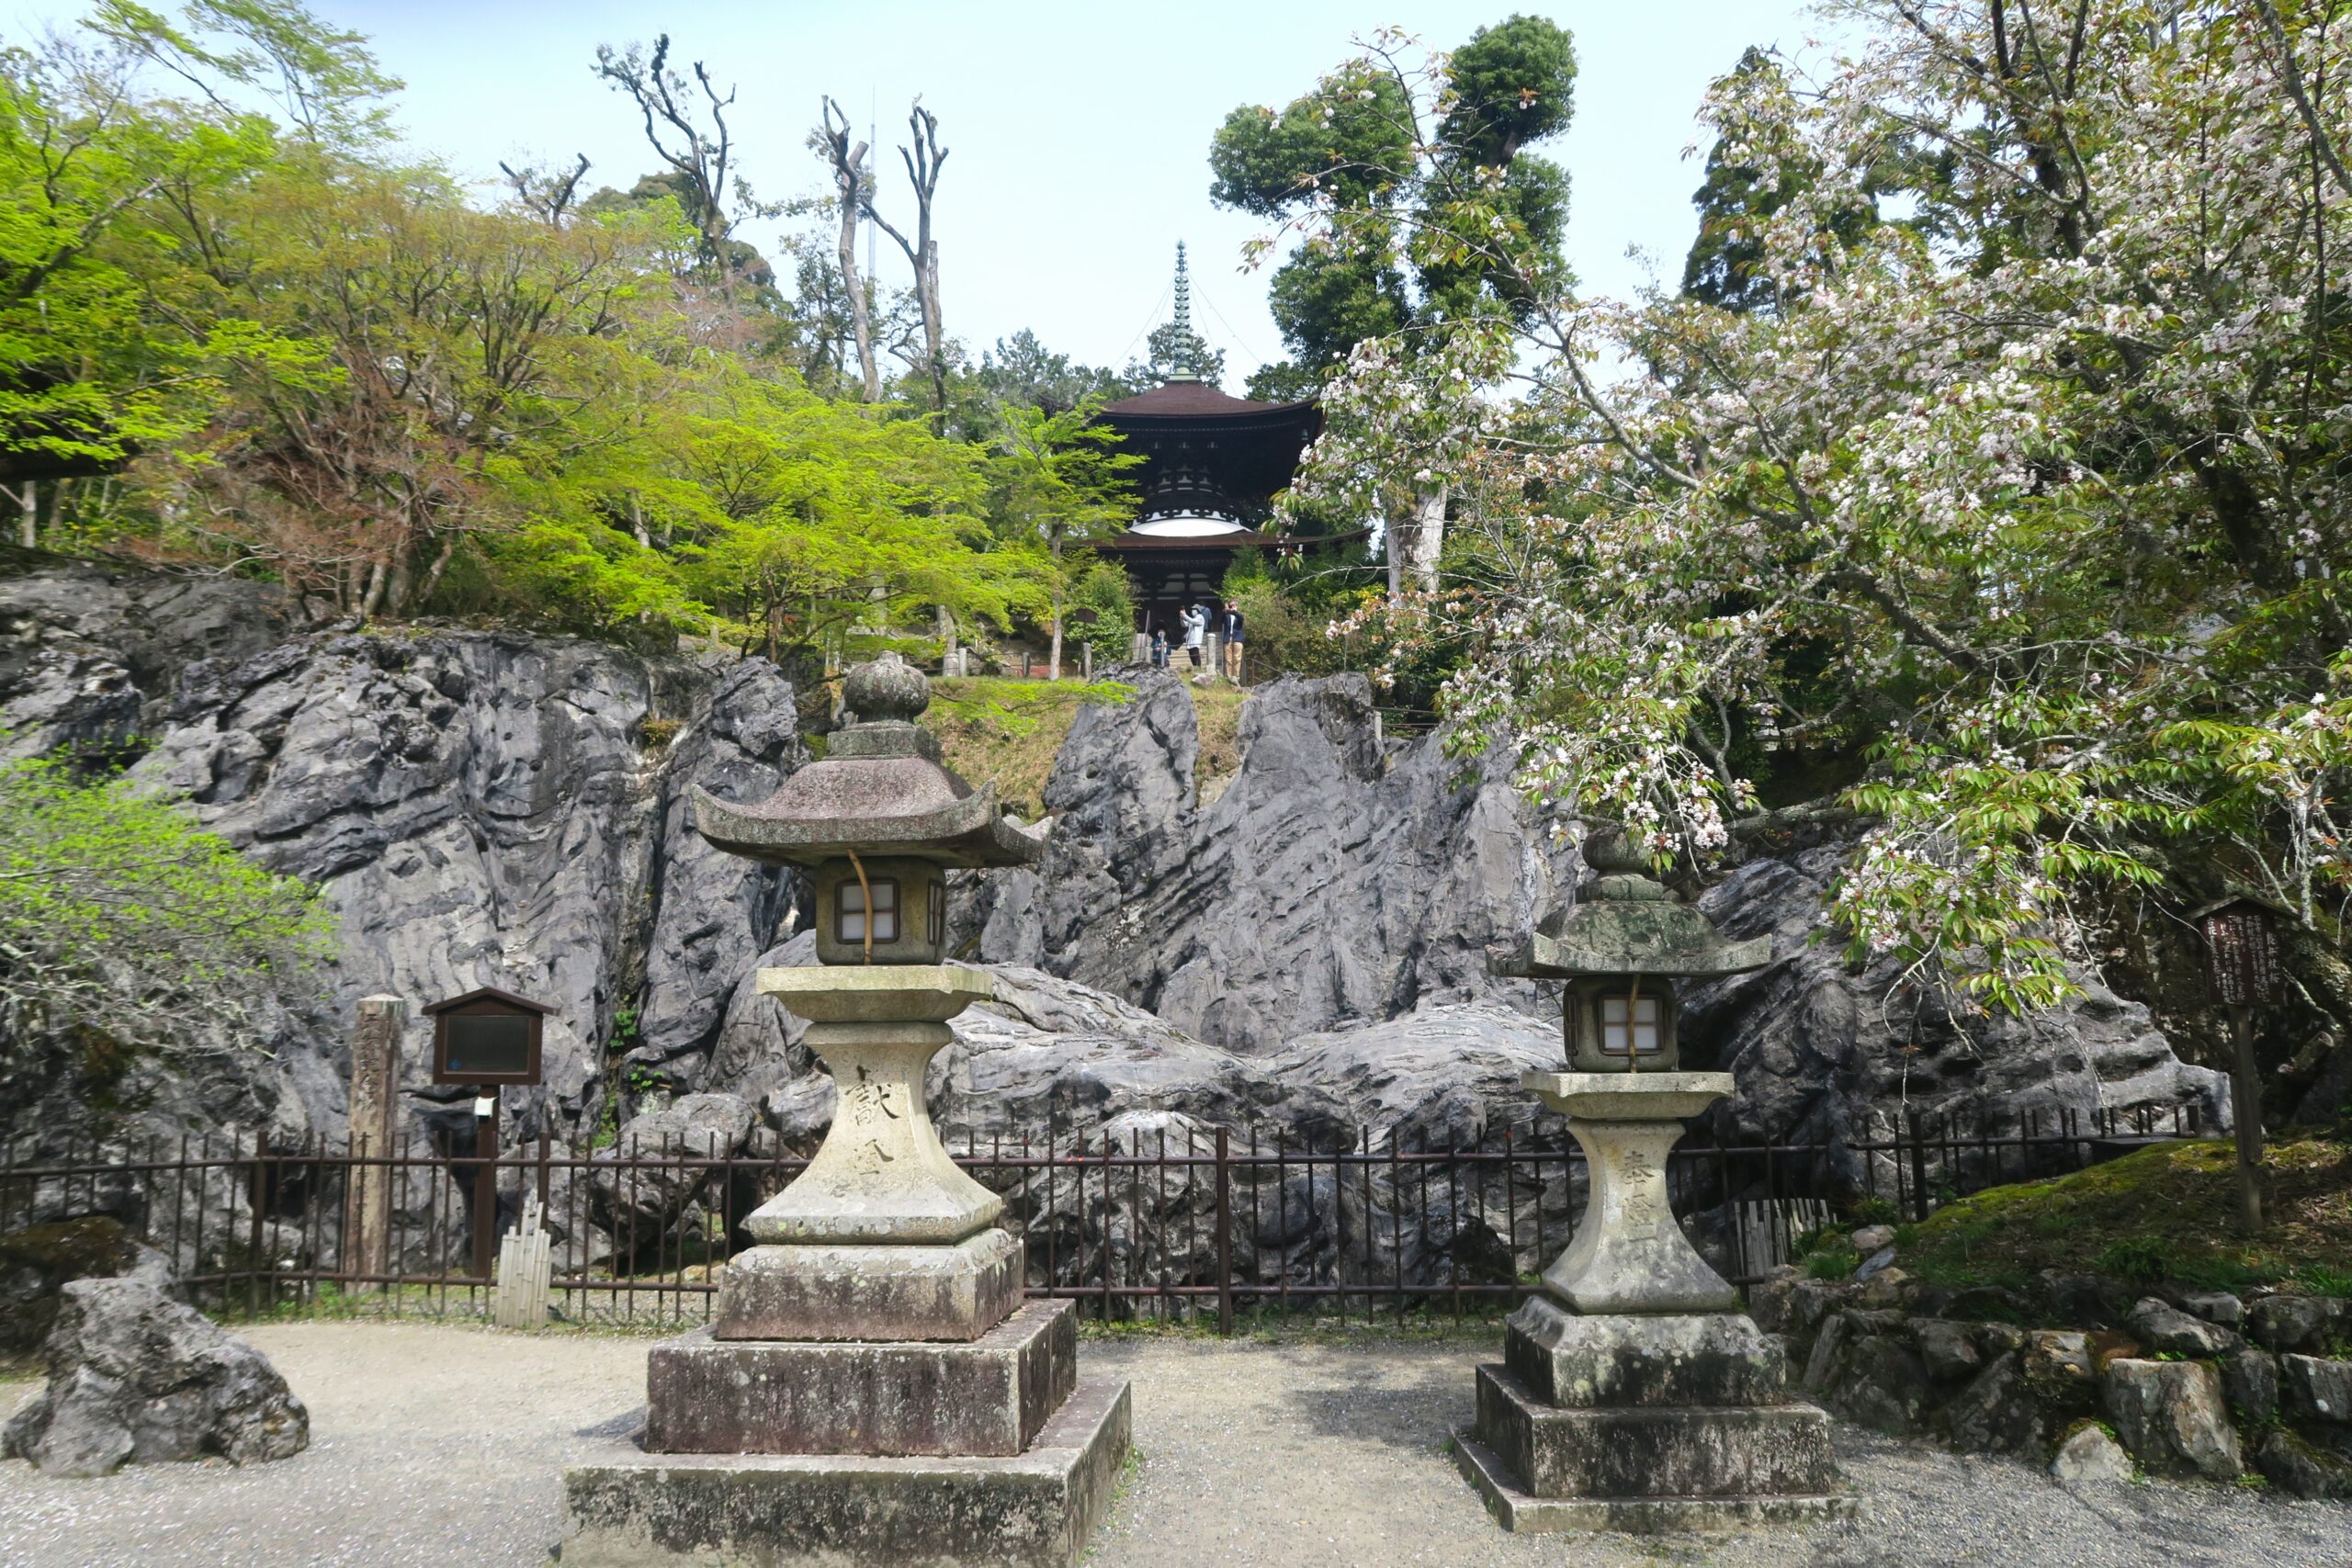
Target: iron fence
x=1150 y=1216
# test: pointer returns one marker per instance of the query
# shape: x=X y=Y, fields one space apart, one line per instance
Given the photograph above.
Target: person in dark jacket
x=1233 y=629
x=1160 y=648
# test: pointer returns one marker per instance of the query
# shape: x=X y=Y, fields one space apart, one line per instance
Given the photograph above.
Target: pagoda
x=1212 y=465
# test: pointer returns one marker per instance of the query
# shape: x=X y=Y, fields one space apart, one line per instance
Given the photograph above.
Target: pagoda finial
x=1188 y=366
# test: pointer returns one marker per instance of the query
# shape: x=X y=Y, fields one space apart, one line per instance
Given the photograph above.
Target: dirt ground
x=441 y=1445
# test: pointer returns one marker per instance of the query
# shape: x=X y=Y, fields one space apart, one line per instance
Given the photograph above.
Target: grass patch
x=1008 y=732
x=2163 y=1214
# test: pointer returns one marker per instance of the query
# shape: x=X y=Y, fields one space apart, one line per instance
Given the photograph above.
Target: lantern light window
x=849 y=915
x=1642 y=1014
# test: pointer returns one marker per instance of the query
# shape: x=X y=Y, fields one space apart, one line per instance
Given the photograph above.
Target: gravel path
x=441 y=1446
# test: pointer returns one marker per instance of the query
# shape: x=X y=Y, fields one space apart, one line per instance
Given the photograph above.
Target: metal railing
x=1172 y=1222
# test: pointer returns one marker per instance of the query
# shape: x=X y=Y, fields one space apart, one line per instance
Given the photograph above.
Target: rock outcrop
x=477 y=808
x=137 y=1377
x=1333 y=881
x=1823 y=1051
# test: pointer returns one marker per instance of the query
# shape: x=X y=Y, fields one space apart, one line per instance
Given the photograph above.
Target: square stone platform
x=1645 y=1423
x=854 y=1291
x=1036 y=1509
x=990 y=1396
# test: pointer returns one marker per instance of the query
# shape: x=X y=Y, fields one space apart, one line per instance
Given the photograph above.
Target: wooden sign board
x=2241 y=955
x=487 y=1036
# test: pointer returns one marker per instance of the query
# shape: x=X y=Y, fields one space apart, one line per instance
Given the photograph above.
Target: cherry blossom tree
x=2009 y=532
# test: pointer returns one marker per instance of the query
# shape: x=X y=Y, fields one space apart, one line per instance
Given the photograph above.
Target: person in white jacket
x=1196 y=628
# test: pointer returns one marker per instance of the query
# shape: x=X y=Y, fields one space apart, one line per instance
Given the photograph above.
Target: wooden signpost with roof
x=2241 y=973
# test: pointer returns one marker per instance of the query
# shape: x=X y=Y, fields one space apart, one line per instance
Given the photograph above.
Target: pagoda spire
x=1188 y=359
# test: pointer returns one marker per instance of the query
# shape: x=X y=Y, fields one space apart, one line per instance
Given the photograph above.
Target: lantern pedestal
x=1630 y=1396
x=872 y=1389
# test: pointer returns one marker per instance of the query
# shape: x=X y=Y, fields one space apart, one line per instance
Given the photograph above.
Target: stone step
x=1523 y=1513
x=1032 y=1510
x=1678 y=1451
x=988 y=1397
x=1618 y=1361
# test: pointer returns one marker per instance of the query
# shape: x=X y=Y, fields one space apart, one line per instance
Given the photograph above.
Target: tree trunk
x=376 y=576
x=29 y=516
x=849 y=180
x=1054 y=661
x=1426 y=538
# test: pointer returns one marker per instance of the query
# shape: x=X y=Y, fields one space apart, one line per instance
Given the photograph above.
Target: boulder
x=2250 y=1380
x=2300 y=1468
x=2215 y=1307
x=2173 y=1417
x=1997 y=1413
x=2166 y=1330
x=1947 y=1349
x=1871 y=1238
x=2317 y=1389
x=137 y=1377
x=1869 y=1376
x=2090 y=1453
x=2307 y=1325
x=38 y=1262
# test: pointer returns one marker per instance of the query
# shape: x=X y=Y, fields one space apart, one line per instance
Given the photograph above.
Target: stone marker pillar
x=1632 y=1395
x=375 y=1092
x=873 y=1388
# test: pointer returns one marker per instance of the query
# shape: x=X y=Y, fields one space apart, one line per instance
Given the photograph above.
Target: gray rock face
x=89 y=654
x=1820 y=1052
x=135 y=1376
x=1332 y=881
x=2173 y=1417
x=2250 y=1380
x=477 y=808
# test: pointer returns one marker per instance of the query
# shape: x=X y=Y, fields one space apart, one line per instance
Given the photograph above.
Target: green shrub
x=1832 y=1264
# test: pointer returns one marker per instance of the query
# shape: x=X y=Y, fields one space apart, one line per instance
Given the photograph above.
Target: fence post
x=485 y=1183
x=375 y=1088
x=1224 y=1237
x=1918 y=1167
x=257 y=1192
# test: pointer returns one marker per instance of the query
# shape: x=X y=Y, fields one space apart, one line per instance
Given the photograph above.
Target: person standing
x=1196 y=631
x=1233 y=629
x=1160 y=648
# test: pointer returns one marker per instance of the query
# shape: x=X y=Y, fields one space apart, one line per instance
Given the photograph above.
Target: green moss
x=2161 y=1214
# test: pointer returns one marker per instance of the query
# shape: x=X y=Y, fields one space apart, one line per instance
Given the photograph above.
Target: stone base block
x=1717 y=1359
x=1525 y=1514
x=1034 y=1511
x=955 y=1293
x=987 y=1396
x=1690 y=1452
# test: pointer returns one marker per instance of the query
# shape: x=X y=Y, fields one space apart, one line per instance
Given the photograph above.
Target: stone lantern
x=873 y=1388
x=1632 y=1395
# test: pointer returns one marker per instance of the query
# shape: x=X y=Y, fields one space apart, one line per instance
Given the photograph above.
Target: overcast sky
x=1078 y=133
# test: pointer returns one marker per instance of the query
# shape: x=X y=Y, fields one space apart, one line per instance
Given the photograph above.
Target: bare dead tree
x=543 y=193
x=923 y=160
x=854 y=182
x=701 y=156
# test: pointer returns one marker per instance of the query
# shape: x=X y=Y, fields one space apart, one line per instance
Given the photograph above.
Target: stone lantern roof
x=1630 y=925
x=880 y=790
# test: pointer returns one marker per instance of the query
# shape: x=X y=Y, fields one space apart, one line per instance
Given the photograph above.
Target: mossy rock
x=36 y=1263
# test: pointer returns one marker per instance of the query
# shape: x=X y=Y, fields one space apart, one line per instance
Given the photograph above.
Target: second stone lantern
x=1632 y=1395
x=873 y=1388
